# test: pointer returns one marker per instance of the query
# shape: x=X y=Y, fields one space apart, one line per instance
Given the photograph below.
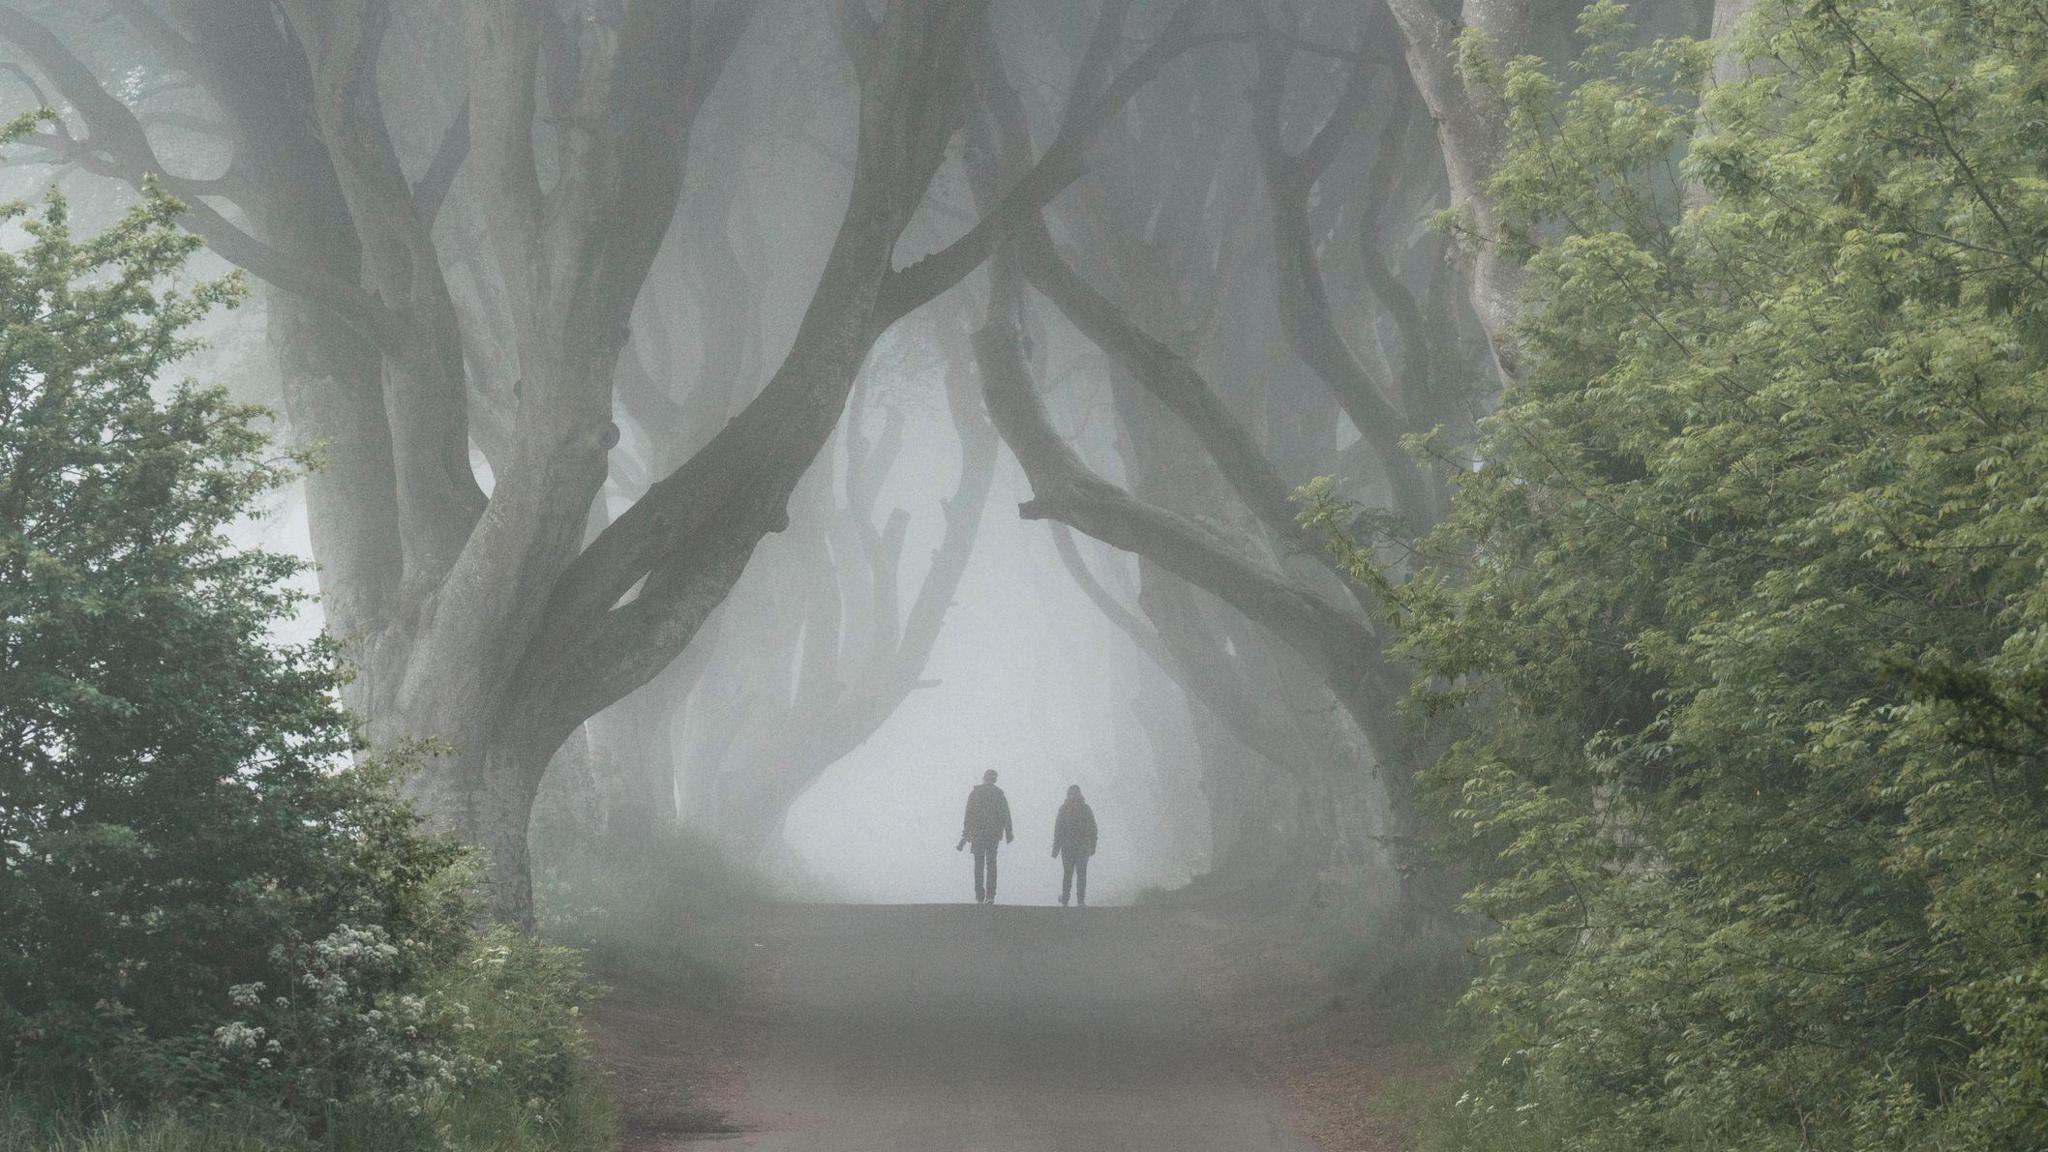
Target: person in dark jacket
x=1073 y=841
x=986 y=825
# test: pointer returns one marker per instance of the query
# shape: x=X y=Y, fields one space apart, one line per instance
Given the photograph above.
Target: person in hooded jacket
x=1073 y=841
x=986 y=826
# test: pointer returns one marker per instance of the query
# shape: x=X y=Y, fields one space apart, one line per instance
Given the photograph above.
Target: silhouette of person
x=986 y=825
x=1073 y=841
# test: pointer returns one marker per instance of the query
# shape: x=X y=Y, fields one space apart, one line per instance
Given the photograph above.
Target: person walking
x=1073 y=841
x=986 y=825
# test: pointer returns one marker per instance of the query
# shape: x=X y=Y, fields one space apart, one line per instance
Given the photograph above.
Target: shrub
x=211 y=913
x=1742 y=624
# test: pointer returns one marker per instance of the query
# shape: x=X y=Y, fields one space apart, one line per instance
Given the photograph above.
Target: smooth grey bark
x=635 y=742
x=1403 y=179
x=1471 y=130
x=425 y=405
x=573 y=258
x=437 y=656
x=1728 y=23
x=632 y=758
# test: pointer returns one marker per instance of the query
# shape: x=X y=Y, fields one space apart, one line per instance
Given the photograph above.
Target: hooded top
x=1074 y=832
x=988 y=815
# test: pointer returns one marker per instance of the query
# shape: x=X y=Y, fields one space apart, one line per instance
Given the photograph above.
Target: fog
x=1154 y=575
x=1030 y=681
x=646 y=544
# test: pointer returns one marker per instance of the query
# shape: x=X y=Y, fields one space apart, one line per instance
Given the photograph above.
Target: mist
x=1028 y=680
x=927 y=574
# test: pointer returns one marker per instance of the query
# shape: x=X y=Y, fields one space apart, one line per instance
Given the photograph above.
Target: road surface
x=958 y=1028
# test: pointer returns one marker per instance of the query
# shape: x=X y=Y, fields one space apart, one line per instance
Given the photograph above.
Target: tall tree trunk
x=1471 y=129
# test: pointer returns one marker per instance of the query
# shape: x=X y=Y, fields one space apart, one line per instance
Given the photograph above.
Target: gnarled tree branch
x=119 y=146
x=1306 y=315
x=910 y=287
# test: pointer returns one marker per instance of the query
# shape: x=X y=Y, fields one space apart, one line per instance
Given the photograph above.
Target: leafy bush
x=524 y=1081
x=209 y=910
x=528 y=1080
x=1743 y=622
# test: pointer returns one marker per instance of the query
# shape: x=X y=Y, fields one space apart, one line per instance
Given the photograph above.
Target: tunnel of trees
x=1571 y=464
x=518 y=308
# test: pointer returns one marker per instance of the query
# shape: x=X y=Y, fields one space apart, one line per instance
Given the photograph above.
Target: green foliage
x=666 y=906
x=533 y=1085
x=212 y=917
x=27 y=1129
x=528 y=1083
x=1743 y=625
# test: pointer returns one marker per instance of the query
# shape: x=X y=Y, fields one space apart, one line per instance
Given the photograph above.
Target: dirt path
x=923 y=1028
x=938 y=1028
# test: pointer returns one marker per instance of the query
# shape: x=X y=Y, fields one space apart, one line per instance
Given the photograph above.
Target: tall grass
x=486 y=1121
x=25 y=1128
x=490 y=1118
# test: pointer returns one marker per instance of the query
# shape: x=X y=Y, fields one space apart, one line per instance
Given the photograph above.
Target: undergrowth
x=666 y=907
x=1407 y=970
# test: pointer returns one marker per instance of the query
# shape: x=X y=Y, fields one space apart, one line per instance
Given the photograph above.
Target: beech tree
x=1394 y=360
x=495 y=624
x=1321 y=622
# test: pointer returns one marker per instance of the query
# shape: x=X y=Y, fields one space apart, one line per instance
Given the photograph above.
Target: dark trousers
x=1073 y=876
x=985 y=871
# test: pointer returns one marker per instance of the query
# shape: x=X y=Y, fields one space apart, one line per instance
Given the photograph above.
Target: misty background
x=1026 y=676
x=1523 y=519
